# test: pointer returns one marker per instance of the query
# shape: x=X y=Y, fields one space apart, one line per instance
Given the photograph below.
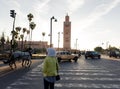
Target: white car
x=65 y=55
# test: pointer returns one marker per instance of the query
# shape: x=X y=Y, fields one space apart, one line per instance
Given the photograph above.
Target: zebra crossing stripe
x=76 y=85
x=85 y=70
x=95 y=75
x=92 y=79
x=91 y=74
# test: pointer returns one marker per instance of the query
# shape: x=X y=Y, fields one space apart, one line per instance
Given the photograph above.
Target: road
x=101 y=73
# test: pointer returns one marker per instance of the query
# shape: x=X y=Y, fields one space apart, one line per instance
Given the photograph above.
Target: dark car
x=115 y=54
x=92 y=54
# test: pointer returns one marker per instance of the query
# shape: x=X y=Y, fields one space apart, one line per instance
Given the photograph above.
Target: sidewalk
x=110 y=58
x=6 y=68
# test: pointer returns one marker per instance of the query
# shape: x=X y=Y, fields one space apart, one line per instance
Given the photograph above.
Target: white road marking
x=98 y=75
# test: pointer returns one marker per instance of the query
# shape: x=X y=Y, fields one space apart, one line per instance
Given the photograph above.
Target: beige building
x=33 y=44
x=67 y=34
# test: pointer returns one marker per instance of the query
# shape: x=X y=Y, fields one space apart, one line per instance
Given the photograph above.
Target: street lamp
x=58 y=40
x=107 y=44
x=51 y=29
x=76 y=44
x=43 y=34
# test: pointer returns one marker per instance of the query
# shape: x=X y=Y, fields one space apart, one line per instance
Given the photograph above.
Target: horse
x=24 y=56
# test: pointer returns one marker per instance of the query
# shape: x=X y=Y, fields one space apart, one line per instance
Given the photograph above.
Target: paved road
x=91 y=74
x=85 y=74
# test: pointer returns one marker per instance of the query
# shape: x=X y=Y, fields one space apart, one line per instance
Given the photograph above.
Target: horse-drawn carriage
x=24 y=57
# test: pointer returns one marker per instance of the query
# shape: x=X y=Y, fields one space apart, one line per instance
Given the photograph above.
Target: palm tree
x=28 y=33
x=18 y=29
x=32 y=26
x=17 y=32
x=24 y=30
x=30 y=16
x=22 y=36
x=43 y=34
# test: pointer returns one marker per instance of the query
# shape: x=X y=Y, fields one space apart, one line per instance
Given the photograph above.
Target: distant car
x=115 y=54
x=92 y=54
x=66 y=55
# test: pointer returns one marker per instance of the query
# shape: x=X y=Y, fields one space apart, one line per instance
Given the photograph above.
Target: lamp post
x=51 y=29
x=76 y=44
x=107 y=44
x=43 y=43
x=58 y=40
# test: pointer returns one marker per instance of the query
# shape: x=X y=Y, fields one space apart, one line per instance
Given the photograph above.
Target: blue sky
x=93 y=21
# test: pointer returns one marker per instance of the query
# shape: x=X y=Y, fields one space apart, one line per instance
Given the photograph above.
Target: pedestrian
x=50 y=69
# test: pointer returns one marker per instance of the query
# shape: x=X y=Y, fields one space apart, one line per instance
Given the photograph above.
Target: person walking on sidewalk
x=50 y=69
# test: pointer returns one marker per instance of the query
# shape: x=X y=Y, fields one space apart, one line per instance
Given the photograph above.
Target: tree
x=14 y=45
x=21 y=36
x=8 y=43
x=30 y=16
x=8 y=40
x=18 y=29
x=28 y=32
x=99 y=49
x=2 y=39
x=24 y=30
x=43 y=34
x=113 y=49
x=32 y=26
x=26 y=38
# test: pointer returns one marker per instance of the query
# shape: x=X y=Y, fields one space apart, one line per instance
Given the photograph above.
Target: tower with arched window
x=67 y=33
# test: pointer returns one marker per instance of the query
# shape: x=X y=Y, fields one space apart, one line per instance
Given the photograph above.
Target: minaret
x=67 y=34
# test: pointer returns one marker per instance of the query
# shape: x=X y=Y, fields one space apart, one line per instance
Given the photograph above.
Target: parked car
x=115 y=54
x=66 y=55
x=92 y=54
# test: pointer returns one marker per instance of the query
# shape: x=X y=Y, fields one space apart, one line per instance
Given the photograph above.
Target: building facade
x=67 y=34
x=33 y=44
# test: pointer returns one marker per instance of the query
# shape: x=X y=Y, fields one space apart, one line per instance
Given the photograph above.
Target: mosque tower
x=67 y=34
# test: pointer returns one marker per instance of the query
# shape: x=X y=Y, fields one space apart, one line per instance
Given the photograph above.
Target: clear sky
x=93 y=22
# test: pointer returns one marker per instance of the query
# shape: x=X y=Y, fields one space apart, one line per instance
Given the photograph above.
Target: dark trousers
x=48 y=85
